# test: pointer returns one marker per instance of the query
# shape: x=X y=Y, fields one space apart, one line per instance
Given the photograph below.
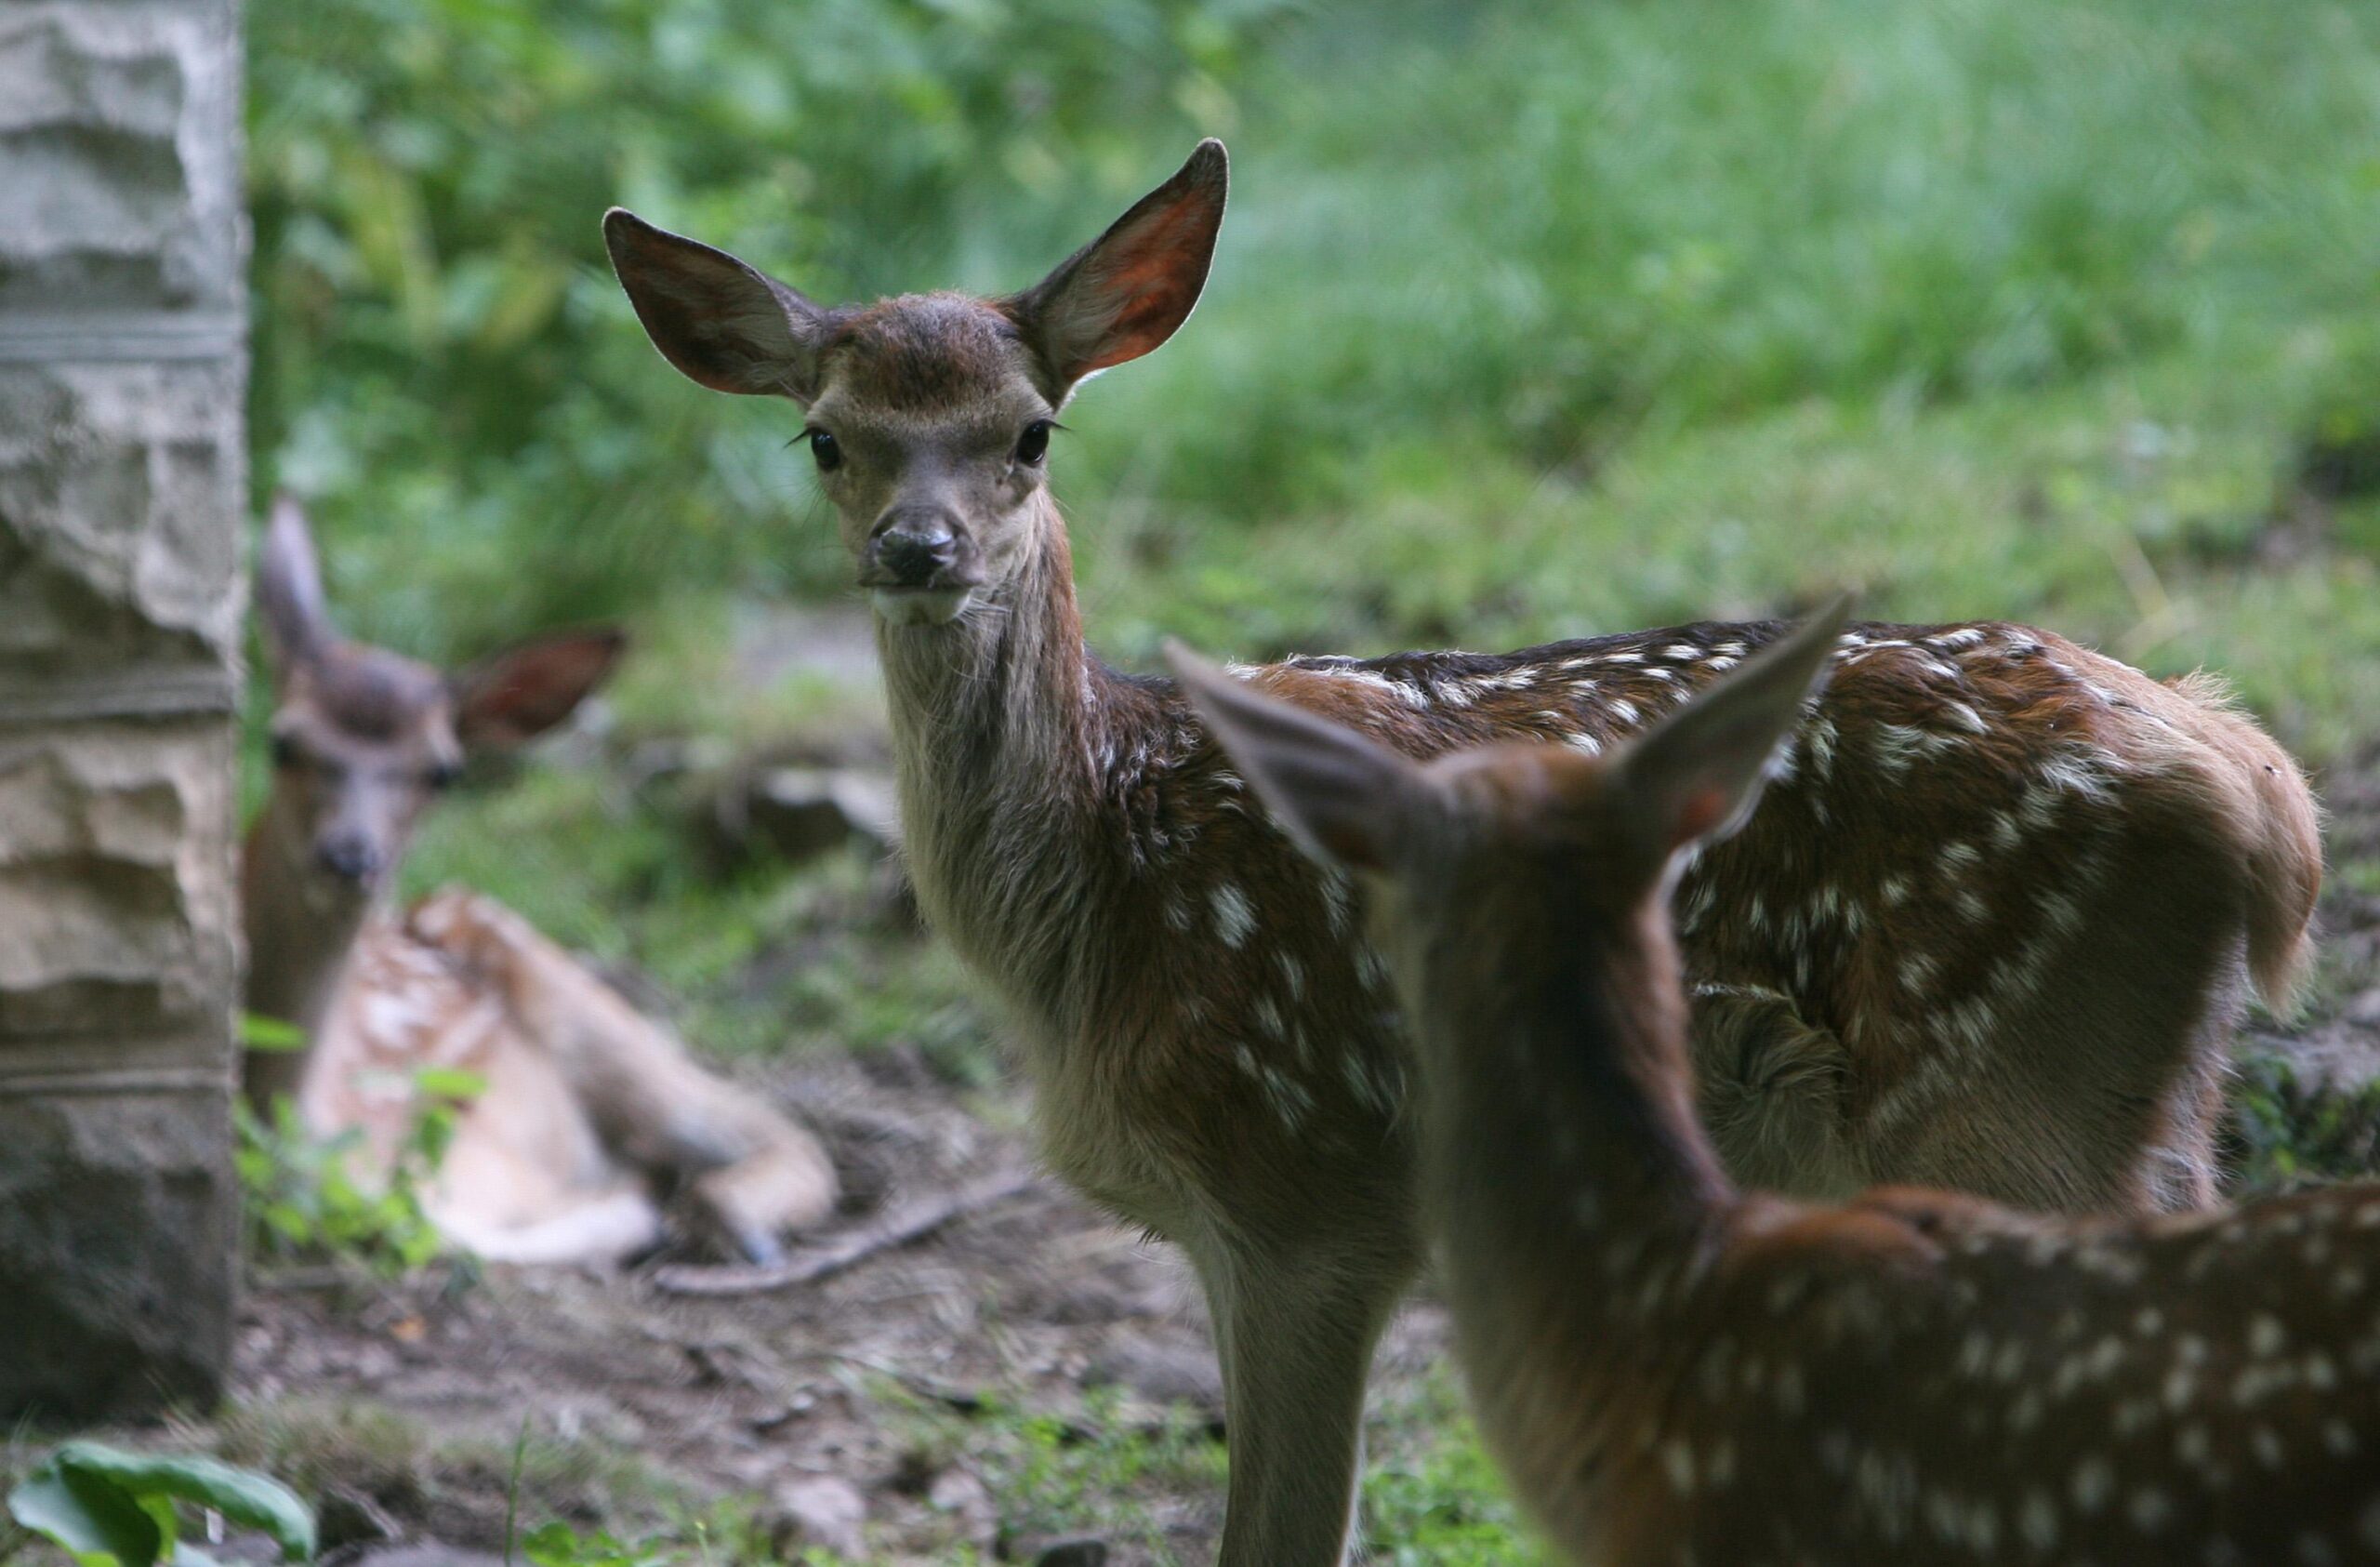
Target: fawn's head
x=929 y=415
x=1487 y=868
x=363 y=738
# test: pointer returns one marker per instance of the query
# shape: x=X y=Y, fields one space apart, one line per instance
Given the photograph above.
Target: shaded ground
x=947 y=1380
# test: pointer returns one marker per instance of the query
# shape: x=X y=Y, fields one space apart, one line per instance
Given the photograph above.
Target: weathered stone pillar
x=122 y=486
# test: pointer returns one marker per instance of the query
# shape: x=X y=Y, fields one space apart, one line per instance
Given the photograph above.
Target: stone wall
x=122 y=381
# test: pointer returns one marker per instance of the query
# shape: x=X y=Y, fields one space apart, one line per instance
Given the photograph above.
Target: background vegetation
x=1527 y=322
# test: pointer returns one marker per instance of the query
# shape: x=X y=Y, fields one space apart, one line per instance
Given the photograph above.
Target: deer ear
x=516 y=695
x=1698 y=773
x=1343 y=798
x=289 y=587
x=728 y=326
x=1125 y=293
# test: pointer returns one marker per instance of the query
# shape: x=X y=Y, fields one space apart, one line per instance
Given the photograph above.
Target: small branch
x=912 y=1221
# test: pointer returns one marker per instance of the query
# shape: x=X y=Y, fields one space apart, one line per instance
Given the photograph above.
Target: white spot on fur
x=1234 y=916
x=2094 y=1482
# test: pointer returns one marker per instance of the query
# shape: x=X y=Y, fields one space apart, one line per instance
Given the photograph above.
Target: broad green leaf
x=241 y=1495
x=95 y=1519
x=160 y=1508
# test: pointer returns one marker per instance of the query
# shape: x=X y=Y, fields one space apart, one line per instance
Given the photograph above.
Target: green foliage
x=304 y=1203
x=259 y=1032
x=706 y=1543
x=441 y=354
x=1524 y=323
x=2289 y=1131
x=107 y=1507
x=1432 y=1499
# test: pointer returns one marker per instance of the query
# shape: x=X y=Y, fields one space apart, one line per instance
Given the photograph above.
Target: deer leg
x=1295 y=1352
x=750 y=1173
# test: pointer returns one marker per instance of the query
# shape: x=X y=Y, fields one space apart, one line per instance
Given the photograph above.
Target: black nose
x=911 y=545
x=351 y=855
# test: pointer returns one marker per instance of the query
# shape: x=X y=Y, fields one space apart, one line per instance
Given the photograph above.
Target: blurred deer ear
x=725 y=325
x=289 y=588
x=1344 y=799
x=516 y=695
x=1125 y=293
x=1698 y=773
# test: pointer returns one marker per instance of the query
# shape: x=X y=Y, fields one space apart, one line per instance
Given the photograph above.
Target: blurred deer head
x=363 y=738
x=929 y=415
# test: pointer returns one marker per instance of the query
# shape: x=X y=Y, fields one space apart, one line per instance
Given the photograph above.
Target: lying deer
x=1673 y=1369
x=588 y=1110
x=1994 y=935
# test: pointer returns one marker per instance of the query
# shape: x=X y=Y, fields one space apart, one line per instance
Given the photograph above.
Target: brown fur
x=1216 y=1054
x=1675 y=1371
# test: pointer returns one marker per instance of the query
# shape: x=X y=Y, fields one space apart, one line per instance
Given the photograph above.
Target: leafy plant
x=441 y=360
x=305 y=1203
x=2289 y=1130
x=107 y=1507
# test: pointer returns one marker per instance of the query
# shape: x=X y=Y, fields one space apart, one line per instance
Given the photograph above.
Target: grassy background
x=1522 y=326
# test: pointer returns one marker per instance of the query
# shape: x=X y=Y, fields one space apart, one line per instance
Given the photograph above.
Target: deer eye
x=1034 y=445
x=286 y=753
x=826 y=449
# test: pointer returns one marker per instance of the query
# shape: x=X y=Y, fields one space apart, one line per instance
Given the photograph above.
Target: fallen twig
x=912 y=1221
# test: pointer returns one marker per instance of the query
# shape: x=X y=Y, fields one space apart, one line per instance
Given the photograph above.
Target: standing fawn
x=1674 y=1370
x=586 y=1103
x=1993 y=936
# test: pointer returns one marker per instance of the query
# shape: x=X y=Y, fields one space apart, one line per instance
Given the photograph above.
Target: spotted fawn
x=1992 y=933
x=1674 y=1369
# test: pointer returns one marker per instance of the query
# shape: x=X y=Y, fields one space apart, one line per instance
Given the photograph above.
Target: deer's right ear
x=1344 y=799
x=1126 y=292
x=289 y=588
x=1698 y=773
x=729 y=327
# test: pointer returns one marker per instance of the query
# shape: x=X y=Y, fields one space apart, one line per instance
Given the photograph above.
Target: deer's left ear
x=1126 y=291
x=516 y=695
x=1698 y=773
x=289 y=588
x=1344 y=799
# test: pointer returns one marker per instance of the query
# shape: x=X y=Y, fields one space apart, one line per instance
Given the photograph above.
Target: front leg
x=1296 y=1345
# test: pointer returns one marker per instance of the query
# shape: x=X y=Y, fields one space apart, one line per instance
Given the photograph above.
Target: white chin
x=920 y=607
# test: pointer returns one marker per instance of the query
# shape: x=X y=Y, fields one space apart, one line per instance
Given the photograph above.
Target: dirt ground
x=1025 y=1303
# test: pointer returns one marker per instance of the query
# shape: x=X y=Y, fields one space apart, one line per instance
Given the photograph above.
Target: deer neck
x=995 y=722
x=299 y=936
x=1577 y=1093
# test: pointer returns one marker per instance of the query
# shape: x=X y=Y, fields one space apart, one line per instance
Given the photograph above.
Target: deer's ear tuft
x=1128 y=290
x=723 y=324
x=514 y=696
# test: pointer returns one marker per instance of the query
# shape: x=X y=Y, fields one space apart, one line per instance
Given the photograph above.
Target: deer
x=1675 y=1367
x=1994 y=938
x=588 y=1113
